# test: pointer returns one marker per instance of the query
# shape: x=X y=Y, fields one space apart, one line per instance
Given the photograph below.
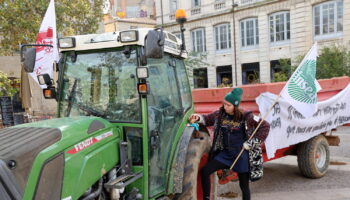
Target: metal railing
x=220 y=4
x=247 y=2
x=211 y=7
x=195 y=10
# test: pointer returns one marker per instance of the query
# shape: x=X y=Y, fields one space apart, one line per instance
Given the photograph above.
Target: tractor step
x=123 y=180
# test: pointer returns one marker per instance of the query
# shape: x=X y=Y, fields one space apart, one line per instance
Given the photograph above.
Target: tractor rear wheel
x=197 y=156
x=313 y=157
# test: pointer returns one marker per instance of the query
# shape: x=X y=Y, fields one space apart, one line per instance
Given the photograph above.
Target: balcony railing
x=219 y=4
x=208 y=8
x=195 y=10
x=247 y=2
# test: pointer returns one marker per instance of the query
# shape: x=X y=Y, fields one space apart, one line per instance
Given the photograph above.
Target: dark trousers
x=214 y=165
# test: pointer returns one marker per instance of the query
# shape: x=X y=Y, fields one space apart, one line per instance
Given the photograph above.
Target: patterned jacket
x=255 y=152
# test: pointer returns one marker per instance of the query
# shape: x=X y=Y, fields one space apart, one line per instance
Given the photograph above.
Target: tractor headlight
x=128 y=36
x=68 y=42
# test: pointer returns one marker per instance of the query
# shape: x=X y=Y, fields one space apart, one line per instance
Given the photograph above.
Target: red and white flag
x=46 y=56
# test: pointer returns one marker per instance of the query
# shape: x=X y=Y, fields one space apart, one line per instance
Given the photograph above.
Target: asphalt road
x=283 y=181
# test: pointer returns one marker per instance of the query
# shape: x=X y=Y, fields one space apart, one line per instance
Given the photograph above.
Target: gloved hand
x=247 y=146
x=194 y=118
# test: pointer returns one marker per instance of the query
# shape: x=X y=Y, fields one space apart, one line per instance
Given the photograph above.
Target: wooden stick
x=256 y=129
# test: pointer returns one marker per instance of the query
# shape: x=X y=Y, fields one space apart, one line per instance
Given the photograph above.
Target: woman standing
x=232 y=128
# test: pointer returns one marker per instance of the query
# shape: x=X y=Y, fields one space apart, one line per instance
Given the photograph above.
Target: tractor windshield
x=101 y=84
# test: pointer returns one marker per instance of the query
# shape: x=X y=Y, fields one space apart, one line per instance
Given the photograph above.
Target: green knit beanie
x=234 y=96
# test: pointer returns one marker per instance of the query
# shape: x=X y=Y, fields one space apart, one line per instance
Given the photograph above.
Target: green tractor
x=120 y=133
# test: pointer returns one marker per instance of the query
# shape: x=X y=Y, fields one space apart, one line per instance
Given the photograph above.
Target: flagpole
x=257 y=127
x=273 y=104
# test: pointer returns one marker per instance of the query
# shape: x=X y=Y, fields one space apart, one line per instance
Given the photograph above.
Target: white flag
x=301 y=89
x=46 y=56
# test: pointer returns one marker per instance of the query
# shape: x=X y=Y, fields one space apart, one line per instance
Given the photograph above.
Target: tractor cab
x=136 y=80
x=116 y=77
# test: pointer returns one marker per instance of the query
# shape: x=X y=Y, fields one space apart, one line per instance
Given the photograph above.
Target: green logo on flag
x=302 y=85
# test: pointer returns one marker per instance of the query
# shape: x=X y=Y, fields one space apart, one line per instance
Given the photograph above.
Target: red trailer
x=312 y=161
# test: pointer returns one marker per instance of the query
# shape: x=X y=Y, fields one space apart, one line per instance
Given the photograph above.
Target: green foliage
x=6 y=88
x=225 y=83
x=333 y=62
x=20 y=20
x=279 y=77
x=195 y=60
x=285 y=71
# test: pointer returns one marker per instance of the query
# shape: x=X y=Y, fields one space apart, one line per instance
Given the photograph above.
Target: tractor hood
x=21 y=145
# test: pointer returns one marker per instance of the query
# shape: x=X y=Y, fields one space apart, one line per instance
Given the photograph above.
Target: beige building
x=111 y=25
x=131 y=14
x=264 y=32
x=130 y=8
x=10 y=65
x=30 y=92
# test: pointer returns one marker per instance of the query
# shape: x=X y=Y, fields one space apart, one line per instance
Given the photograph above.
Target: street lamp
x=161 y=12
x=234 y=38
x=181 y=18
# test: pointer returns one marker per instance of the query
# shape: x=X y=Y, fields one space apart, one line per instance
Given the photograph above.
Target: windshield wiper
x=70 y=98
x=90 y=110
x=87 y=109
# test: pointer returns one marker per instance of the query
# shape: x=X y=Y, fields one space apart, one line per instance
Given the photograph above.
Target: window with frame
x=224 y=76
x=249 y=32
x=222 y=34
x=198 y=40
x=178 y=35
x=279 y=27
x=200 y=78
x=279 y=69
x=173 y=6
x=250 y=73
x=328 y=18
x=196 y=3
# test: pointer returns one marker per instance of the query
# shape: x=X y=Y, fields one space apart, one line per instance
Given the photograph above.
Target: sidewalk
x=283 y=181
x=324 y=194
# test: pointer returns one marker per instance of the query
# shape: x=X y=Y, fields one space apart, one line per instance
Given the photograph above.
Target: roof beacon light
x=180 y=16
x=181 y=19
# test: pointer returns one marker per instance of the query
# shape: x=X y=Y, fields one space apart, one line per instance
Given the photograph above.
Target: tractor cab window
x=184 y=85
x=101 y=84
x=169 y=99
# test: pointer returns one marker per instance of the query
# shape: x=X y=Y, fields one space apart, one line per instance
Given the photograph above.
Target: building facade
x=125 y=15
x=111 y=25
x=264 y=31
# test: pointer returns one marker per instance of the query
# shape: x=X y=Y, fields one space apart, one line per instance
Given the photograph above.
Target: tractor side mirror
x=28 y=57
x=44 y=79
x=154 y=44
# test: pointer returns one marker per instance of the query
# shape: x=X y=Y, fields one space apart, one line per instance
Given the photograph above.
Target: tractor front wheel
x=196 y=158
x=313 y=157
